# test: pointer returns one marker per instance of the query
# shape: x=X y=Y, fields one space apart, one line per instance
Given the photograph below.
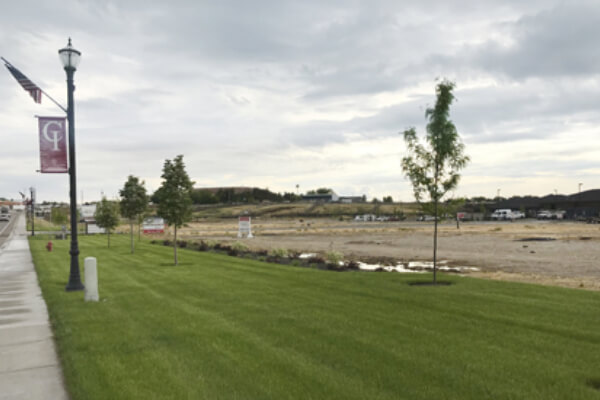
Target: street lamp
x=70 y=60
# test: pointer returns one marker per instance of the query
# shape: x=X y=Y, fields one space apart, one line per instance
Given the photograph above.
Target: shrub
x=240 y=247
x=334 y=257
x=278 y=252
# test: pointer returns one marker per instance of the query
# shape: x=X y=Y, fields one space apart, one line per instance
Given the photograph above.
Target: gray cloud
x=259 y=92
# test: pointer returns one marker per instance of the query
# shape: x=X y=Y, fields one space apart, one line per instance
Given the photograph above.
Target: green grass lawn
x=218 y=327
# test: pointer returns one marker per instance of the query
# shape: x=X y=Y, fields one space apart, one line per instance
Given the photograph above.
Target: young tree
x=107 y=216
x=174 y=195
x=433 y=169
x=59 y=215
x=134 y=201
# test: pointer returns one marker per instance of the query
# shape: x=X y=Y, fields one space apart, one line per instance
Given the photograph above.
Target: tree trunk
x=108 y=237
x=175 y=245
x=435 y=224
x=131 y=234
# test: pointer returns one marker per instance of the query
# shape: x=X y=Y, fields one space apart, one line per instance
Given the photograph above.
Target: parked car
x=426 y=218
x=544 y=214
x=4 y=217
x=503 y=215
x=559 y=214
x=518 y=214
x=365 y=218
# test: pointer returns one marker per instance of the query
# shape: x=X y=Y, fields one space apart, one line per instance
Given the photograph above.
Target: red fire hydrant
x=49 y=246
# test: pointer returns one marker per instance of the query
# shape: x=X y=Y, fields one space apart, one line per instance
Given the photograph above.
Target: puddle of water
x=307 y=255
x=415 y=267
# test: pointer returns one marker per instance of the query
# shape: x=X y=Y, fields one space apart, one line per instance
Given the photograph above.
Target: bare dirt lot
x=547 y=252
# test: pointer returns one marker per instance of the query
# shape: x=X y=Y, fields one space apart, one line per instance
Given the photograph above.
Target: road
x=6 y=227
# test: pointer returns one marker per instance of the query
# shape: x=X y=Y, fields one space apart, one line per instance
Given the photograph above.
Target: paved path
x=29 y=367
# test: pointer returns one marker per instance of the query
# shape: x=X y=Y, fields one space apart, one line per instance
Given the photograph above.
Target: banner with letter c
x=53 y=144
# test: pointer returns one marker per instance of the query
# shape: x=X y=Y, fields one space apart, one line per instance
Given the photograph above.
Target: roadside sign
x=245 y=227
x=153 y=225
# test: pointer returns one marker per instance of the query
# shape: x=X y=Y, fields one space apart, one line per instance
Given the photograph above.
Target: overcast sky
x=311 y=93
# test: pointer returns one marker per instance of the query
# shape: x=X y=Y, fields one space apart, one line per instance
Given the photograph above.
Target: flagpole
x=41 y=90
x=54 y=101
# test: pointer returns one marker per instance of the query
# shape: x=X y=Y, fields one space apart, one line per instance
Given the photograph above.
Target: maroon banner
x=53 y=145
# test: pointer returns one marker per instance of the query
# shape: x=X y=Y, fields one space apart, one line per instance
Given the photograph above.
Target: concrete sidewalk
x=29 y=367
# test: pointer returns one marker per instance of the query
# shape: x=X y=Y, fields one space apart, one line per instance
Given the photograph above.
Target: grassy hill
x=219 y=327
x=303 y=209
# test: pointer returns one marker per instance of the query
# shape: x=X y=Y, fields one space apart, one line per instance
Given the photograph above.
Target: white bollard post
x=91 y=279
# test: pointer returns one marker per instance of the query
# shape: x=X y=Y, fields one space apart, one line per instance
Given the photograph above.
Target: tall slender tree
x=134 y=202
x=433 y=169
x=174 y=196
x=107 y=216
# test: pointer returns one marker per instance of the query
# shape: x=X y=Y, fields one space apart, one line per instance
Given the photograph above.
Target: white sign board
x=153 y=225
x=87 y=211
x=245 y=227
x=92 y=228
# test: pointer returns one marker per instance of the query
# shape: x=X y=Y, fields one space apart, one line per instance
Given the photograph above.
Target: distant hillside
x=238 y=194
x=304 y=209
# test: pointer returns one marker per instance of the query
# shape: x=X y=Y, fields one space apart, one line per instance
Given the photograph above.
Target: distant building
x=578 y=205
x=323 y=198
x=13 y=205
x=87 y=212
x=234 y=189
x=352 y=199
x=333 y=198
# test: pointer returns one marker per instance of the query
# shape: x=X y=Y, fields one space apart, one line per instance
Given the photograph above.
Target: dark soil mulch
x=430 y=283
x=535 y=239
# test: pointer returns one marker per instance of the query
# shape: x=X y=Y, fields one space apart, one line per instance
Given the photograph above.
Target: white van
x=503 y=215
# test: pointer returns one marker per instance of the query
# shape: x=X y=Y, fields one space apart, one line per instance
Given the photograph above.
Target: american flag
x=34 y=91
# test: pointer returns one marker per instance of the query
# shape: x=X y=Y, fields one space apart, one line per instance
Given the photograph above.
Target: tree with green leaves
x=134 y=202
x=433 y=169
x=322 y=190
x=174 y=195
x=59 y=215
x=107 y=216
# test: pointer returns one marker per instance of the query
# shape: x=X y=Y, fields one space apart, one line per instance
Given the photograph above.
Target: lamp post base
x=74 y=287
x=74 y=276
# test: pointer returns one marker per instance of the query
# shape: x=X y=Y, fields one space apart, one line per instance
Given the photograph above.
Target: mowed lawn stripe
x=224 y=327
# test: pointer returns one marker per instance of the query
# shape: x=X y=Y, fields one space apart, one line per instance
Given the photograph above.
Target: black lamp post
x=70 y=60
x=32 y=199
